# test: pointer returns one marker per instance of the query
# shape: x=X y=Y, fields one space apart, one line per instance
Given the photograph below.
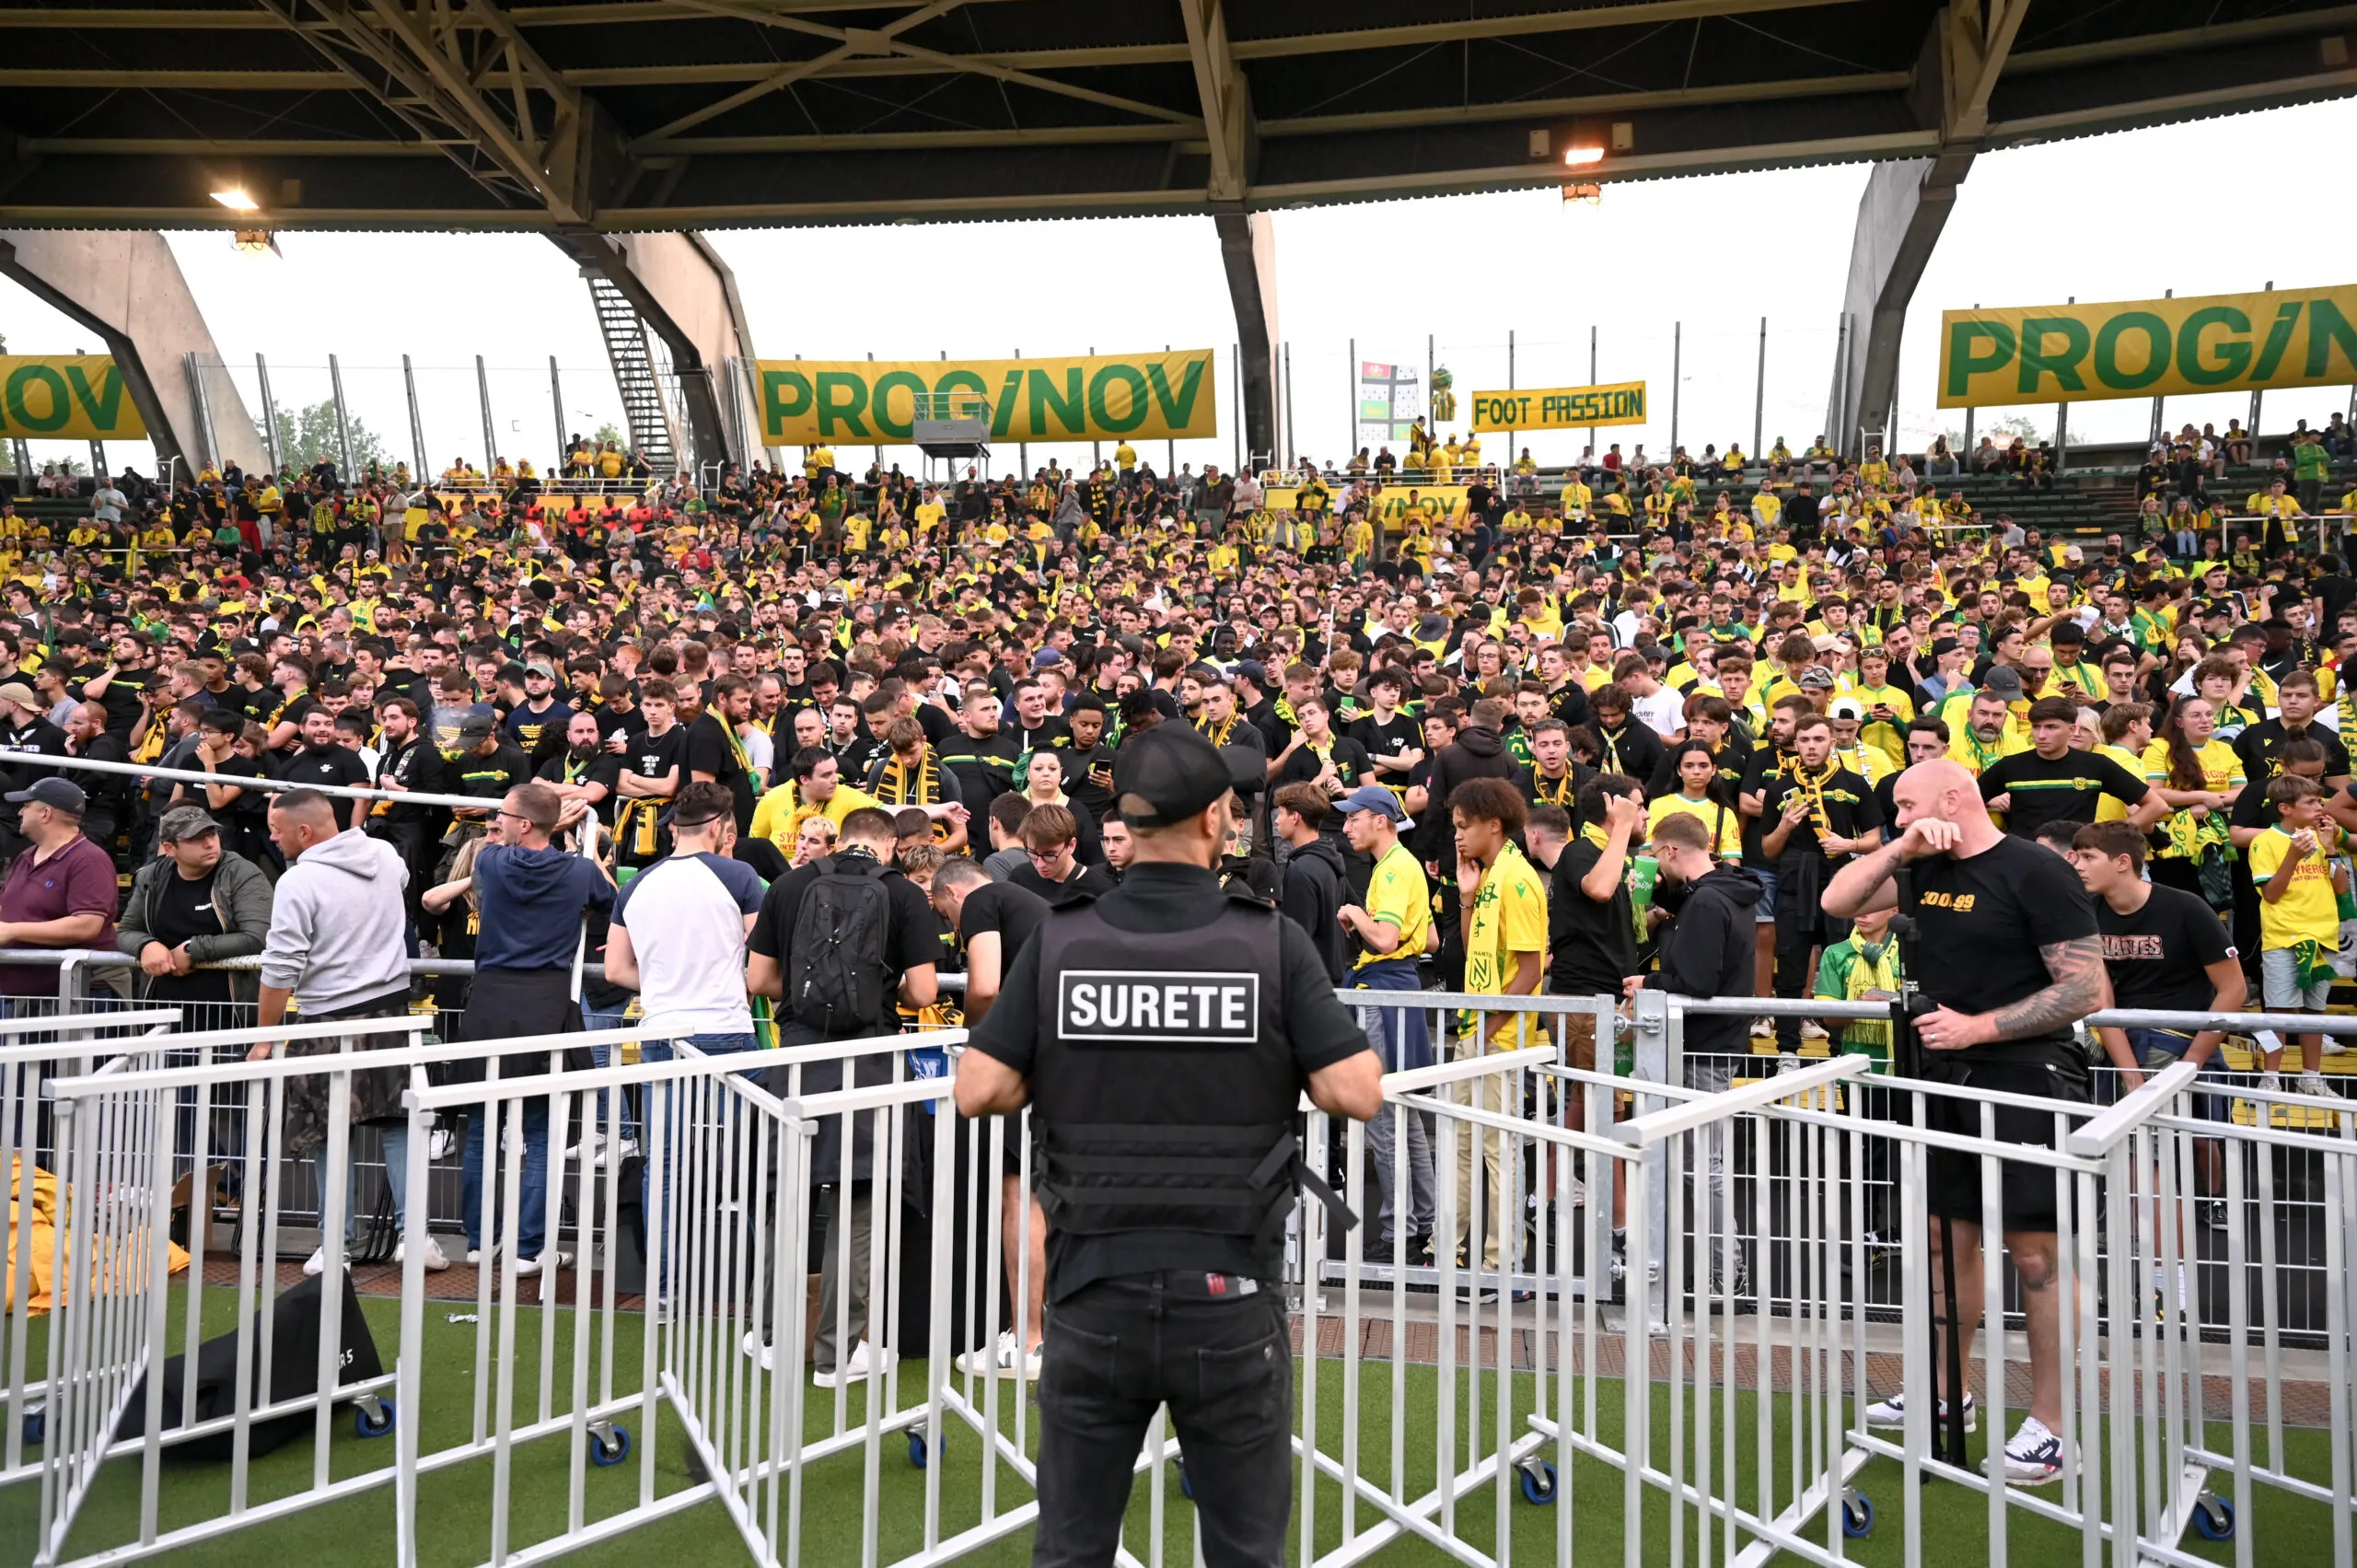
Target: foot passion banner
x=1102 y=398
x=1560 y=408
x=2145 y=348
x=75 y=397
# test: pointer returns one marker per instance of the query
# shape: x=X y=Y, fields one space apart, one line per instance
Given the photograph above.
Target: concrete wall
x=126 y=286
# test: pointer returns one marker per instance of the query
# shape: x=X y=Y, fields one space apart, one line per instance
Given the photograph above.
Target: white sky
x=2099 y=218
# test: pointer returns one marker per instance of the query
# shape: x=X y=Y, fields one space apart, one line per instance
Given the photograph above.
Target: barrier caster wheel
x=1537 y=1481
x=2215 y=1517
x=917 y=1453
x=372 y=1418
x=36 y=1429
x=1857 y=1516
x=609 y=1447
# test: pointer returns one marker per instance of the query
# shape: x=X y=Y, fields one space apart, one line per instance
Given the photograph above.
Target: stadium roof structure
x=596 y=119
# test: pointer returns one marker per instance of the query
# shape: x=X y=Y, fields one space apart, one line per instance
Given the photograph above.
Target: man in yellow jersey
x=1391 y=932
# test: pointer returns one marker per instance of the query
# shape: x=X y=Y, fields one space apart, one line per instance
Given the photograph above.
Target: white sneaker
x=759 y=1349
x=435 y=1260
x=317 y=1263
x=474 y=1257
x=864 y=1359
x=2333 y=1047
x=1812 y=1030
x=1579 y=1193
x=440 y=1142
x=2035 y=1455
x=2313 y=1084
x=1001 y=1359
x=527 y=1267
x=1787 y=1063
x=1892 y=1412
x=1763 y=1029
x=589 y=1149
x=625 y=1150
x=2271 y=1082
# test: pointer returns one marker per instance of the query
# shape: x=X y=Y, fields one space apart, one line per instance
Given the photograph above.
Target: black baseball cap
x=1170 y=773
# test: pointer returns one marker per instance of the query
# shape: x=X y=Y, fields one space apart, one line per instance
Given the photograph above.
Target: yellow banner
x=805 y=403
x=2145 y=348
x=1438 y=503
x=74 y=397
x=1560 y=408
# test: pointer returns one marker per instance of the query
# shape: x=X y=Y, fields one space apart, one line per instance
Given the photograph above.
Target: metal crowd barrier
x=120 y=1141
x=1551 y=1360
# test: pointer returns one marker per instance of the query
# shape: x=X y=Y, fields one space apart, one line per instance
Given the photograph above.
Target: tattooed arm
x=2080 y=986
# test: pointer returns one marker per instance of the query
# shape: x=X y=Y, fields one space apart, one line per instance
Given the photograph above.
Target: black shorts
x=2055 y=1072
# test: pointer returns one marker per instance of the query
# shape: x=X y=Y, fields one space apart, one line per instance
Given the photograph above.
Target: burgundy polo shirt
x=78 y=879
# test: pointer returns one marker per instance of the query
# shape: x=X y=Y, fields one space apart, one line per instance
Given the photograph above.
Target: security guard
x=1163 y=1034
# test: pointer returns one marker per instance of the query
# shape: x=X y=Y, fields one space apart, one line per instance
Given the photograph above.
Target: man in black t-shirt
x=324 y=761
x=2019 y=962
x=994 y=922
x=2056 y=781
x=910 y=951
x=2166 y=952
x=1815 y=814
x=584 y=770
x=714 y=751
x=2259 y=745
x=1591 y=925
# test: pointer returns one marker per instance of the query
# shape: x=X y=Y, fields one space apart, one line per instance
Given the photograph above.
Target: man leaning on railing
x=60 y=892
x=195 y=904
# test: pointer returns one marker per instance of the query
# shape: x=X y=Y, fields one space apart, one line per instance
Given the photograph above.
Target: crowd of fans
x=1509 y=742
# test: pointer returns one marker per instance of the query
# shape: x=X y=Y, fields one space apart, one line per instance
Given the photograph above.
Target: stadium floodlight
x=1576 y=157
x=237 y=200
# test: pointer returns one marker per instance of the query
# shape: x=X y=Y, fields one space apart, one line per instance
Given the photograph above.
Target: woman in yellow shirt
x=1697 y=772
x=2198 y=777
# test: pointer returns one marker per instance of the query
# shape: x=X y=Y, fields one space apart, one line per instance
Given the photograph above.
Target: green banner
x=1173 y=396
x=66 y=398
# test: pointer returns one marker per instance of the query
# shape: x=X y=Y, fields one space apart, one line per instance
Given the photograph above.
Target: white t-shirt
x=686 y=918
x=1664 y=711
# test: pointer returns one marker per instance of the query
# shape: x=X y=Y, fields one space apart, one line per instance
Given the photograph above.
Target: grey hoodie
x=335 y=933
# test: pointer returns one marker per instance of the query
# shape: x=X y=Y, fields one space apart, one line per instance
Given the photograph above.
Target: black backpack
x=835 y=969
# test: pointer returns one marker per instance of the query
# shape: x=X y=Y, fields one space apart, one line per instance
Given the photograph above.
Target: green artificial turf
x=455 y=1503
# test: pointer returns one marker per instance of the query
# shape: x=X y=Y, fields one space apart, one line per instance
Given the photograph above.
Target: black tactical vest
x=1165 y=1094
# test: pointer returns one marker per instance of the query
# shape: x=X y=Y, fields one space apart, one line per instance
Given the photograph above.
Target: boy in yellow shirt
x=2299 y=917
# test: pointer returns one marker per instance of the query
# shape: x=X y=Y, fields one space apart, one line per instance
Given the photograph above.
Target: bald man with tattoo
x=2012 y=960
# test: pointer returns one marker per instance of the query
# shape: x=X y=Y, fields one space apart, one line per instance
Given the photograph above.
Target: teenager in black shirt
x=2166 y=952
x=2056 y=781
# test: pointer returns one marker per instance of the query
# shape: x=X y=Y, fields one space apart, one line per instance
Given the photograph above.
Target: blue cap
x=1375 y=798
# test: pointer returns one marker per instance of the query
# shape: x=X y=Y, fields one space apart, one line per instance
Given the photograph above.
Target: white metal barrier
x=778 y=1183
x=108 y=1349
x=27 y=1149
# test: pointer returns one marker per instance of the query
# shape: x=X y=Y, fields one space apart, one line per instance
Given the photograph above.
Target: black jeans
x=1118 y=1349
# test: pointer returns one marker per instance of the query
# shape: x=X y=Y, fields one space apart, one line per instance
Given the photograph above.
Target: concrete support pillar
x=1900 y=219
x=1247 y=249
x=125 y=287
x=687 y=296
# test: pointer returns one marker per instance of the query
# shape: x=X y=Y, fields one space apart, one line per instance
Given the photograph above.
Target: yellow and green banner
x=2145 y=348
x=70 y=397
x=1159 y=396
x=1560 y=408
